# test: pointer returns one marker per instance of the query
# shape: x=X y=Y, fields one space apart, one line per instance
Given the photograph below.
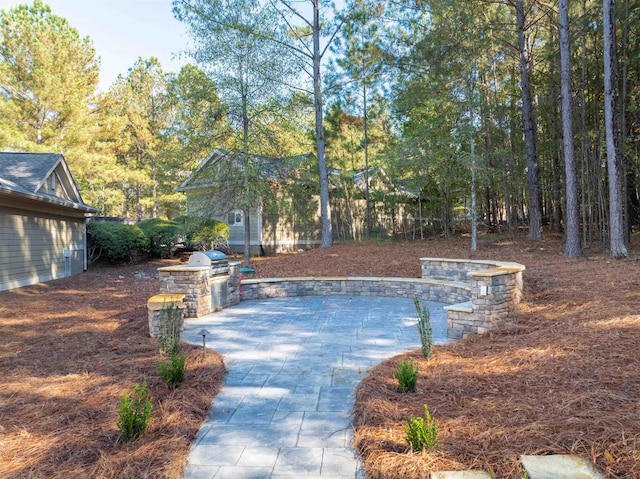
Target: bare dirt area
x=563 y=377
x=68 y=350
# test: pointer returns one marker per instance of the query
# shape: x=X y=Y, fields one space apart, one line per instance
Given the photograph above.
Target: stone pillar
x=193 y=282
x=156 y=303
x=495 y=295
x=233 y=292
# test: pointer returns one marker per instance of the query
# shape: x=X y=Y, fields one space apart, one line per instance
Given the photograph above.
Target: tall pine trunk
x=572 y=248
x=616 y=226
x=535 y=214
x=325 y=211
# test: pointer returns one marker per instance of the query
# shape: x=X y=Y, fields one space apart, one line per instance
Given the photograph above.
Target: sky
x=122 y=31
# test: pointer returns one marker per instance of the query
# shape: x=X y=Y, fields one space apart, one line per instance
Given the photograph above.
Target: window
x=52 y=184
x=235 y=218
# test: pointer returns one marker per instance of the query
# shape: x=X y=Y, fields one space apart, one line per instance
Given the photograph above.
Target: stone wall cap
x=428 y=281
x=465 y=307
x=276 y=280
x=460 y=260
x=165 y=300
x=183 y=269
x=495 y=264
x=510 y=268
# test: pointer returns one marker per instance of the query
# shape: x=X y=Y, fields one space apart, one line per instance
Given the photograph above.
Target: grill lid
x=214 y=255
x=208 y=258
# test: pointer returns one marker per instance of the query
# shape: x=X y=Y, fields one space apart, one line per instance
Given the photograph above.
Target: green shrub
x=421 y=432
x=163 y=236
x=172 y=370
x=407 y=376
x=171 y=320
x=208 y=234
x=135 y=412
x=424 y=326
x=115 y=242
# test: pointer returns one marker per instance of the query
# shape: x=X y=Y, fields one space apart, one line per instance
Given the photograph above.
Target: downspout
x=84 y=244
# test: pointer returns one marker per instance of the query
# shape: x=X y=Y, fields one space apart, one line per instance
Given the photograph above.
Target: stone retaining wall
x=425 y=289
x=452 y=269
x=496 y=290
x=479 y=293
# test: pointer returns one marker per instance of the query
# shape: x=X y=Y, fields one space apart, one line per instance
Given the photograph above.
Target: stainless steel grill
x=218 y=264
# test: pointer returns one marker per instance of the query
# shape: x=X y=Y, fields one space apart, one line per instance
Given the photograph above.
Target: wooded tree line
x=466 y=103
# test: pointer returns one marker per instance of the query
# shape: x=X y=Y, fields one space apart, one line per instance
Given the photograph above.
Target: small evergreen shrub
x=170 y=326
x=163 y=236
x=172 y=370
x=421 y=432
x=424 y=326
x=135 y=412
x=407 y=376
x=208 y=234
x=116 y=242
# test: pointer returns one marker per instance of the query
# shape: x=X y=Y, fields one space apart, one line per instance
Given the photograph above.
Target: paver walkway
x=293 y=365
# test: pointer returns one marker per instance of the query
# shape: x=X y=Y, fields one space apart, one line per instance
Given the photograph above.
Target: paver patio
x=293 y=366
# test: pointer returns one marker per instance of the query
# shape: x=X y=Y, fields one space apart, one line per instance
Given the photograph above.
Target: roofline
x=71 y=205
x=61 y=160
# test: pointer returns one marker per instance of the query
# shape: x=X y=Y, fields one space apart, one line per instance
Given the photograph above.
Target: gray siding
x=32 y=247
x=237 y=231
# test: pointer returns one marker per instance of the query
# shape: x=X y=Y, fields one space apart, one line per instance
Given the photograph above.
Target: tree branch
x=243 y=29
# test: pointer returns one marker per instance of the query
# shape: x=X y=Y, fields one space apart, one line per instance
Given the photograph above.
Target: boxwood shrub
x=163 y=235
x=116 y=242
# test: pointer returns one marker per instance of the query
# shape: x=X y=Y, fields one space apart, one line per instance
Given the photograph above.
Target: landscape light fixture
x=203 y=333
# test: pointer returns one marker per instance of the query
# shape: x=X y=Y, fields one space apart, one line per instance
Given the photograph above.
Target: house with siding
x=42 y=220
x=285 y=211
x=284 y=214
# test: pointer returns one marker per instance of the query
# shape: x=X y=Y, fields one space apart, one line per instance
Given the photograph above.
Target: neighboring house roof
x=42 y=177
x=268 y=168
x=284 y=169
x=391 y=187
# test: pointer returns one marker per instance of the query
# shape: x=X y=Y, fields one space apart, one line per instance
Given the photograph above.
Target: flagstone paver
x=293 y=366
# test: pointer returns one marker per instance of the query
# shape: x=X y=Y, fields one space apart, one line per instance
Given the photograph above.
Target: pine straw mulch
x=563 y=377
x=68 y=350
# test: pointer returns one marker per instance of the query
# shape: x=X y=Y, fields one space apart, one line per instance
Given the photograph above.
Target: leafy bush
x=172 y=370
x=163 y=236
x=421 y=433
x=116 y=242
x=208 y=234
x=135 y=412
x=407 y=376
x=424 y=326
x=171 y=320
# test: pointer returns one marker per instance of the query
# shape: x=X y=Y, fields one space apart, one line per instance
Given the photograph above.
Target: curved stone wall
x=478 y=293
x=447 y=292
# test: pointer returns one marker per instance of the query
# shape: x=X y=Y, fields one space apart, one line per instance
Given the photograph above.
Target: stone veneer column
x=156 y=304
x=495 y=294
x=193 y=282
x=233 y=292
